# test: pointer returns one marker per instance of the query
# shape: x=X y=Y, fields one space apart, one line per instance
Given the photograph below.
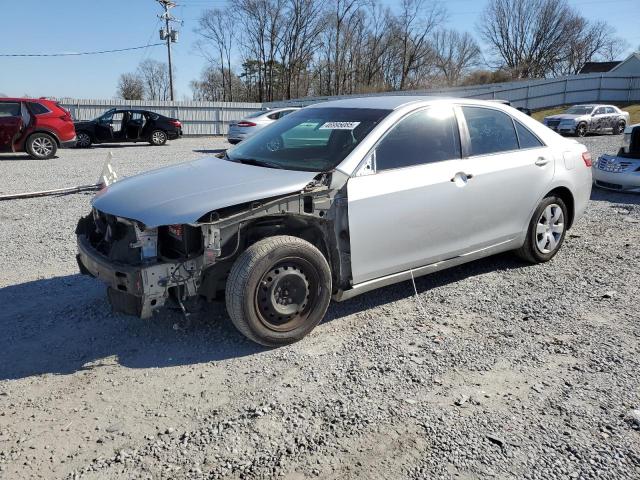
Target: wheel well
x=296 y=226
x=567 y=197
x=51 y=134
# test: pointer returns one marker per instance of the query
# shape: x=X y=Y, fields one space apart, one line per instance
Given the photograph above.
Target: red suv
x=36 y=126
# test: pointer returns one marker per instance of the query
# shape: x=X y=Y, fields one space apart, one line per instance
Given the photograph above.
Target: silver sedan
x=332 y=201
x=621 y=172
x=255 y=122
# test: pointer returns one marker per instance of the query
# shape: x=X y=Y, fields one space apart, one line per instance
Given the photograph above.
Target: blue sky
x=46 y=26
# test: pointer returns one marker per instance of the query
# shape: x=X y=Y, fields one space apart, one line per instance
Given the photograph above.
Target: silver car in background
x=580 y=120
x=333 y=201
x=621 y=172
x=255 y=122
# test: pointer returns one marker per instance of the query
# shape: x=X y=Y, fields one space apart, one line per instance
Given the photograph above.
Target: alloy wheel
x=550 y=228
x=42 y=146
x=158 y=138
x=84 y=140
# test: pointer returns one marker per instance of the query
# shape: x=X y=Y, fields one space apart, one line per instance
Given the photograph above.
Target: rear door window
x=490 y=131
x=9 y=109
x=423 y=137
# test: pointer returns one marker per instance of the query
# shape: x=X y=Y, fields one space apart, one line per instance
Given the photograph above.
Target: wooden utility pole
x=168 y=34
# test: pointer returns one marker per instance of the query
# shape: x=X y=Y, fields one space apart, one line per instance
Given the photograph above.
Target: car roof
x=386 y=102
x=24 y=99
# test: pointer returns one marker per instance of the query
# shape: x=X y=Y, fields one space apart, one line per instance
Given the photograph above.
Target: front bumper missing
x=138 y=289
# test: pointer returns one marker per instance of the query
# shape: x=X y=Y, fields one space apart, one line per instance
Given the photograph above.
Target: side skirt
x=369 y=285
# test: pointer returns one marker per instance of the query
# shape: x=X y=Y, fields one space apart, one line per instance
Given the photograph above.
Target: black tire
x=619 y=128
x=83 y=140
x=41 y=146
x=581 y=130
x=158 y=138
x=531 y=251
x=278 y=290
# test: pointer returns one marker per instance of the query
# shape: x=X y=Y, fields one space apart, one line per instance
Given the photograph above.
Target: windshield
x=311 y=139
x=580 y=110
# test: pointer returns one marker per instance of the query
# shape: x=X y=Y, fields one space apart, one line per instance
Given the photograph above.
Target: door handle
x=541 y=161
x=462 y=176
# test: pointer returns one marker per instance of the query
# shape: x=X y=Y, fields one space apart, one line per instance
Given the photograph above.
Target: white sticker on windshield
x=339 y=125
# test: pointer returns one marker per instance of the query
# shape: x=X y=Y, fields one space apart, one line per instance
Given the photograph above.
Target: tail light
x=246 y=124
x=176 y=230
x=586 y=157
x=175 y=123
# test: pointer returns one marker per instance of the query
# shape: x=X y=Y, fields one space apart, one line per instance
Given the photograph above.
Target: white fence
x=533 y=94
x=213 y=118
x=198 y=118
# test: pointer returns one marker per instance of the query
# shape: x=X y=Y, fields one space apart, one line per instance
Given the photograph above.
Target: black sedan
x=126 y=125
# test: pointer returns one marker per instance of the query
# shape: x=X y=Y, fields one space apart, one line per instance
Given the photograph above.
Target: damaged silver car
x=621 y=172
x=332 y=201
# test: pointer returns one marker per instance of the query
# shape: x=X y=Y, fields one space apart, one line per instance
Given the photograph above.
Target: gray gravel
x=511 y=371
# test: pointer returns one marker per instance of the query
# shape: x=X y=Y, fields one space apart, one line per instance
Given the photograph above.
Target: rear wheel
x=546 y=231
x=158 y=137
x=278 y=290
x=619 y=128
x=41 y=146
x=83 y=140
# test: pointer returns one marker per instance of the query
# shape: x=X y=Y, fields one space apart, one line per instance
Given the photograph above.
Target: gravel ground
x=507 y=371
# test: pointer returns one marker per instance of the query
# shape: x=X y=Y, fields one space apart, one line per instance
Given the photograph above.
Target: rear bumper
x=133 y=289
x=69 y=143
x=174 y=135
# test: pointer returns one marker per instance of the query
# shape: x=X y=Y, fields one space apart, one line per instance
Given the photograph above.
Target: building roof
x=599 y=67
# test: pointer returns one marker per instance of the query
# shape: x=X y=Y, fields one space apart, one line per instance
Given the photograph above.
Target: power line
x=72 y=54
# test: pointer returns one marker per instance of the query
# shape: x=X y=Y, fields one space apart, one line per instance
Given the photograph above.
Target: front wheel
x=581 y=130
x=278 y=290
x=546 y=231
x=619 y=128
x=158 y=137
x=41 y=146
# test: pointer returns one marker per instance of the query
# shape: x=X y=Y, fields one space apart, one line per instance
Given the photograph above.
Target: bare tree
x=536 y=38
x=130 y=87
x=417 y=20
x=529 y=36
x=454 y=54
x=155 y=78
x=217 y=44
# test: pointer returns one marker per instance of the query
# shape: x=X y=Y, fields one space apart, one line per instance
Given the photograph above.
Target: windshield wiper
x=259 y=163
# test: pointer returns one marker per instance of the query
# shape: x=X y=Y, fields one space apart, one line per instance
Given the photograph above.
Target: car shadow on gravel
x=24 y=157
x=600 y=195
x=403 y=290
x=62 y=325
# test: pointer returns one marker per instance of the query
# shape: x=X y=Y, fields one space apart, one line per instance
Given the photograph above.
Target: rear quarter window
x=37 y=108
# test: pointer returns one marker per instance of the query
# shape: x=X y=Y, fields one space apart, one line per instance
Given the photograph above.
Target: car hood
x=185 y=192
x=566 y=116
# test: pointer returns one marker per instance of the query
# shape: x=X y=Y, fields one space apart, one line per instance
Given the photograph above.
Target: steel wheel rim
x=42 y=146
x=83 y=139
x=158 y=137
x=550 y=228
x=286 y=294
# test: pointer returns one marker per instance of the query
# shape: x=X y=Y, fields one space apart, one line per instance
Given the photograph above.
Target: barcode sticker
x=339 y=125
